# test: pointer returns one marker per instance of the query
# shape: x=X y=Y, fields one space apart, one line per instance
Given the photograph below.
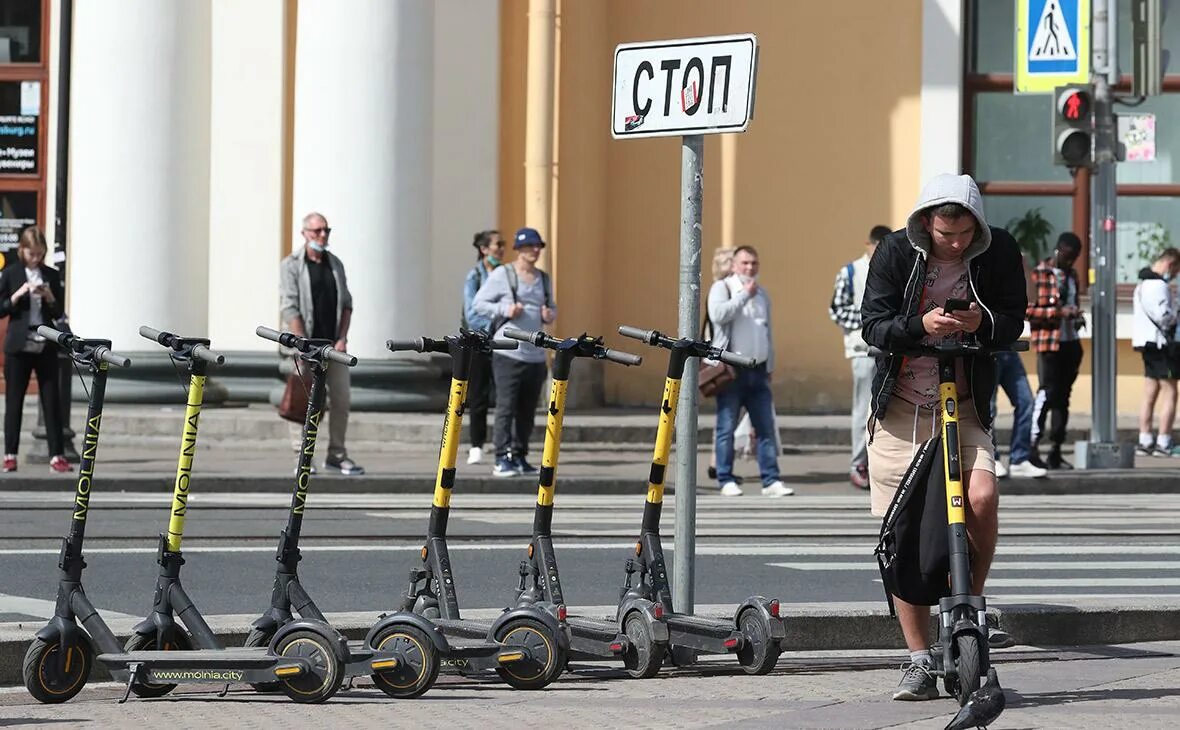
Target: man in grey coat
x=314 y=301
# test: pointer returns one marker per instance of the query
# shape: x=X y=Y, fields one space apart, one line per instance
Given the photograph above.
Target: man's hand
x=940 y=325
x=547 y=315
x=969 y=319
x=751 y=287
x=46 y=293
x=512 y=311
x=341 y=345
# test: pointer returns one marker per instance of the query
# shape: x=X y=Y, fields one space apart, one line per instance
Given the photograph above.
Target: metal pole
x=1105 y=255
x=691 y=164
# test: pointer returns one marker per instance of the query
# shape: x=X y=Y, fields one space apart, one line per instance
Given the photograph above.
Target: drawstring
x=933 y=427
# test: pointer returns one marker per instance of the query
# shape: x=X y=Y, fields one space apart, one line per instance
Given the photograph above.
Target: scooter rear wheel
x=419 y=664
x=260 y=638
x=547 y=657
x=49 y=683
x=147 y=642
x=968 y=665
x=759 y=653
x=643 y=657
x=325 y=675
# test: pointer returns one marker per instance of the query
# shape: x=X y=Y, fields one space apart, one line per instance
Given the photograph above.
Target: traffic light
x=1073 y=125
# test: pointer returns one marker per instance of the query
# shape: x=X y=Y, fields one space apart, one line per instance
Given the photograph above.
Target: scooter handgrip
x=1020 y=346
x=154 y=334
x=418 y=344
x=737 y=360
x=49 y=333
x=341 y=357
x=208 y=355
x=514 y=334
x=505 y=345
x=106 y=355
x=267 y=333
x=624 y=358
x=636 y=334
x=875 y=351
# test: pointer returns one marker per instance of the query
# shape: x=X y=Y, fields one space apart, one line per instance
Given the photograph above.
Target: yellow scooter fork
x=184 y=466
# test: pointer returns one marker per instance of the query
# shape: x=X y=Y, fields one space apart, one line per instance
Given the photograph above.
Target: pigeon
x=983 y=706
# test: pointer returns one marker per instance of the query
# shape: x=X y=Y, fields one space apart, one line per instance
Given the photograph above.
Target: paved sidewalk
x=1078 y=688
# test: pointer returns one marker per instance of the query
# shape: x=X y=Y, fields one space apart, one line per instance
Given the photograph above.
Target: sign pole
x=692 y=152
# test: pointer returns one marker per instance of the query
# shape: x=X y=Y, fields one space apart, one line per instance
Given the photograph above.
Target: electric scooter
x=401 y=652
x=638 y=635
x=962 y=615
x=526 y=645
x=756 y=633
x=304 y=656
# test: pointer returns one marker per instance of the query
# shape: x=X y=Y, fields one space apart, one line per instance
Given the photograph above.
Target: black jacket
x=13 y=278
x=890 y=317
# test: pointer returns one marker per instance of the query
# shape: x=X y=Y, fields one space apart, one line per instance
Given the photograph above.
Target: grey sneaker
x=997 y=638
x=347 y=466
x=917 y=683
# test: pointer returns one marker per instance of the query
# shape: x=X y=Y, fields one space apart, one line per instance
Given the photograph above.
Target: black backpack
x=913 y=551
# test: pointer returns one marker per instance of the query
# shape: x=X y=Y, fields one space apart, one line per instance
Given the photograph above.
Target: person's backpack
x=513 y=283
x=913 y=551
x=482 y=276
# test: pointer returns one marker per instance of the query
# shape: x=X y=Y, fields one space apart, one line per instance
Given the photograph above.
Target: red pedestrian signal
x=1073 y=125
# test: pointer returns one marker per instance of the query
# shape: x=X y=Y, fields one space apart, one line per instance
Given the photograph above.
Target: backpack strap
x=849 y=272
x=513 y=282
x=706 y=323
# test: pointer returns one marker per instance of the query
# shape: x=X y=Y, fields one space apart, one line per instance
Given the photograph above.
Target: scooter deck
x=700 y=633
x=246 y=658
x=592 y=638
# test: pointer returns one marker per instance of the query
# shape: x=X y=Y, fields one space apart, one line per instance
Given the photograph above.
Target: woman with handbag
x=31 y=295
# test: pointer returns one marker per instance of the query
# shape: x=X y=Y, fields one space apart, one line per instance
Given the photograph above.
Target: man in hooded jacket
x=946 y=251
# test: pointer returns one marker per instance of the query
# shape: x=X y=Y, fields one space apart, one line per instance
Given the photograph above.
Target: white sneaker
x=731 y=489
x=1027 y=469
x=777 y=489
x=1001 y=470
x=474 y=455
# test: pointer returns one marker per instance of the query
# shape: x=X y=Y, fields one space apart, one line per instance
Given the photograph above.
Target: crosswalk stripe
x=1001 y=565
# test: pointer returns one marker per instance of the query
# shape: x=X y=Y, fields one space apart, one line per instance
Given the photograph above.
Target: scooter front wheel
x=323 y=678
x=546 y=659
x=48 y=678
x=759 y=652
x=147 y=642
x=418 y=662
x=643 y=657
x=968 y=664
x=260 y=638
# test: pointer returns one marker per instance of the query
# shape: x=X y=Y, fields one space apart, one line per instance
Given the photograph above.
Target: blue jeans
x=750 y=390
x=1011 y=376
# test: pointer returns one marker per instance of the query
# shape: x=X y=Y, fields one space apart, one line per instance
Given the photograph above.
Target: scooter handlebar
x=635 y=333
x=514 y=334
x=956 y=350
x=159 y=336
x=49 y=333
x=105 y=354
x=418 y=344
x=341 y=357
x=623 y=358
x=204 y=353
x=737 y=360
x=268 y=333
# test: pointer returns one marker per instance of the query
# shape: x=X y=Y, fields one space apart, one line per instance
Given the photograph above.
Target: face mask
x=493 y=260
x=316 y=246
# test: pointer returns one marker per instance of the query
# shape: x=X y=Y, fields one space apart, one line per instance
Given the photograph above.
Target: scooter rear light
x=561 y=612
x=773 y=608
x=730 y=643
x=658 y=611
x=616 y=648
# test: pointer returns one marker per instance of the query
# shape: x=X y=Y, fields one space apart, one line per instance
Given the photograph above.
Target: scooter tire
x=759 y=653
x=548 y=657
x=327 y=672
x=42 y=678
x=420 y=670
x=260 y=638
x=643 y=657
x=968 y=663
x=147 y=642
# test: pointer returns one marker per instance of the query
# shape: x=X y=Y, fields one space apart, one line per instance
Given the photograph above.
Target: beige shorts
x=895 y=439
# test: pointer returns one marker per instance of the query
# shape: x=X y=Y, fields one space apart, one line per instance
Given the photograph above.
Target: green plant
x=1153 y=239
x=1031 y=232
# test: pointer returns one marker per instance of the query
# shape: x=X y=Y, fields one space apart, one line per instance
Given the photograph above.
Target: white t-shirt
x=34 y=277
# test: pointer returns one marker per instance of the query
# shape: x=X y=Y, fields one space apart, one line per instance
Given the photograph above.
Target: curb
x=810 y=627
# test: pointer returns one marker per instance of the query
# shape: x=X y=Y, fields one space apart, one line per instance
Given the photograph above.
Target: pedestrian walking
x=946 y=251
x=1055 y=318
x=1153 y=330
x=844 y=310
x=1013 y=379
x=31 y=295
x=517 y=295
x=490 y=252
x=314 y=301
x=739 y=309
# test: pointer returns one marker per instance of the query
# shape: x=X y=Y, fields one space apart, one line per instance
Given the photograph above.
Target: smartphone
x=955 y=305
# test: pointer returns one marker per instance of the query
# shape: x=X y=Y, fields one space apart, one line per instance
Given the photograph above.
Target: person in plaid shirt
x=845 y=311
x=1055 y=319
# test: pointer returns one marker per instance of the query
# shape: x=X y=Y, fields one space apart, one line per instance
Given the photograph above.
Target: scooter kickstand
x=132 y=675
x=224 y=691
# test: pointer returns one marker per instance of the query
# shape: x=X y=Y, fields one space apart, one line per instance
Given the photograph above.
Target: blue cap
x=527 y=237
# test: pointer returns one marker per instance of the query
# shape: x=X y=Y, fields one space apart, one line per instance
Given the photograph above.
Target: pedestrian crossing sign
x=1052 y=44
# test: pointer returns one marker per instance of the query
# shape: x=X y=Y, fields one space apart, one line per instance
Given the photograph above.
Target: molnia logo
x=197 y=675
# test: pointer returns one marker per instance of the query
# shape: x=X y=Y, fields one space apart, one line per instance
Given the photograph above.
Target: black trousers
x=518 y=388
x=479 y=397
x=17 y=368
x=1057 y=372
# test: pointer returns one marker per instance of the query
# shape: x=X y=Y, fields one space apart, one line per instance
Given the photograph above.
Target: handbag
x=713 y=378
x=293 y=404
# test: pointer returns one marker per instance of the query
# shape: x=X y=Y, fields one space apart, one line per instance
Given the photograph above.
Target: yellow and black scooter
x=756 y=633
x=638 y=634
x=304 y=656
x=526 y=645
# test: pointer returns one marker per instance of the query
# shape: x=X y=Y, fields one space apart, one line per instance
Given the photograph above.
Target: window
x=20 y=31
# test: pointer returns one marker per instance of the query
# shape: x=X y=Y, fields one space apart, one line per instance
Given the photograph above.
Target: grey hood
x=947 y=188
